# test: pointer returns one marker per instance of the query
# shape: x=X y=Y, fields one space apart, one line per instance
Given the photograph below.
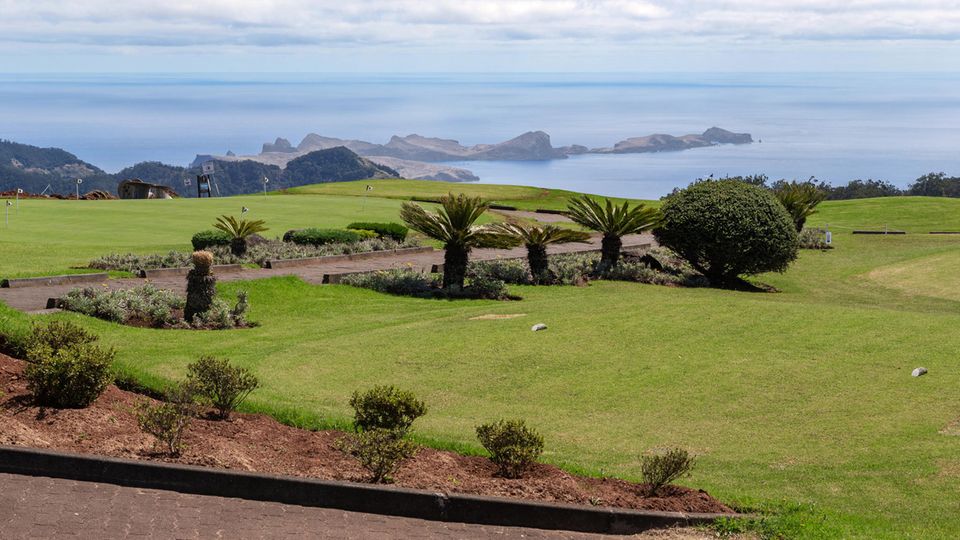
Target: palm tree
x=613 y=222
x=239 y=230
x=452 y=224
x=536 y=239
x=800 y=199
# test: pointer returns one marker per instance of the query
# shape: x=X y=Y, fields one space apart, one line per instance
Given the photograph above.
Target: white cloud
x=480 y=34
x=259 y=23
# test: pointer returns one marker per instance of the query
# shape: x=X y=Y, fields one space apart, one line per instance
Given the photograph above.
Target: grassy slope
x=803 y=396
x=522 y=197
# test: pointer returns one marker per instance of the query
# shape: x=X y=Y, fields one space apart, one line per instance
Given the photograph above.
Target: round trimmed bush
x=319 y=237
x=727 y=229
x=384 y=230
x=205 y=239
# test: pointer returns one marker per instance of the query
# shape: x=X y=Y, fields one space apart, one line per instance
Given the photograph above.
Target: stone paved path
x=38 y=507
x=35 y=298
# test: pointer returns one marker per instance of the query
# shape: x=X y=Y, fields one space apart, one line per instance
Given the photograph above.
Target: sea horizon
x=835 y=127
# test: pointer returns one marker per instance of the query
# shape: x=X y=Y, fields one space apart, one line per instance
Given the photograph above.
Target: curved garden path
x=34 y=299
x=40 y=507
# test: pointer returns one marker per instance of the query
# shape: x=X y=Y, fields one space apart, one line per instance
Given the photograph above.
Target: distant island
x=418 y=157
x=319 y=159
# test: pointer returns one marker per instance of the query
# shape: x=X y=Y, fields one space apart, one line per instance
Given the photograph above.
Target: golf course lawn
x=521 y=197
x=799 y=403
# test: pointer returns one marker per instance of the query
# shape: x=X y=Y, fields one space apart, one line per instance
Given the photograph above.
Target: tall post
x=19 y=191
x=79 y=181
x=265 y=182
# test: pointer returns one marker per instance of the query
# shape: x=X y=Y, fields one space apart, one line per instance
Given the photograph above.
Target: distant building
x=138 y=189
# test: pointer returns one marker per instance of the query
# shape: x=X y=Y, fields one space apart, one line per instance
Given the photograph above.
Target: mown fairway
x=801 y=401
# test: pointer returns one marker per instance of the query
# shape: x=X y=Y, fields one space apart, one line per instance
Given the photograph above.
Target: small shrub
x=814 y=239
x=319 y=237
x=168 y=421
x=485 y=288
x=209 y=238
x=662 y=468
x=365 y=234
x=71 y=375
x=379 y=451
x=512 y=445
x=573 y=268
x=223 y=385
x=513 y=271
x=58 y=335
x=395 y=231
x=399 y=281
x=385 y=407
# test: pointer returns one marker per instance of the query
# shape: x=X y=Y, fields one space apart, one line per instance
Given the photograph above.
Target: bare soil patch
x=259 y=443
x=497 y=316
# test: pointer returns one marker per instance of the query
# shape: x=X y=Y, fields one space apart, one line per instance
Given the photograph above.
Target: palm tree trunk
x=609 y=251
x=238 y=246
x=455 y=259
x=537 y=258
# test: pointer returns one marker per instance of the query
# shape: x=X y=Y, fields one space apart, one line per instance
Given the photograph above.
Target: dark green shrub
x=319 y=237
x=58 y=335
x=395 y=231
x=385 y=407
x=484 y=287
x=201 y=286
x=379 y=451
x=365 y=234
x=727 y=228
x=512 y=445
x=65 y=370
x=223 y=385
x=209 y=238
x=167 y=421
x=662 y=468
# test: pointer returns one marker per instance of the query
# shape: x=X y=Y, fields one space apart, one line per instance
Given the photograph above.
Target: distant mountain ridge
x=320 y=159
x=418 y=157
x=32 y=169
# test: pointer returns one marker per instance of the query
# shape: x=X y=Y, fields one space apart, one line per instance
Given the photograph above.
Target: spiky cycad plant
x=613 y=222
x=452 y=224
x=536 y=239
x=800 y=199
x=239 y=230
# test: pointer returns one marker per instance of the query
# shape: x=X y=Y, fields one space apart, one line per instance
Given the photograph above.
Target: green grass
x=800 y=401
x=522 y=197
x=50 y=237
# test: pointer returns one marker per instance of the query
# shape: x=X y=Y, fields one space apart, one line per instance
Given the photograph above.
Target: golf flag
x=369 y=187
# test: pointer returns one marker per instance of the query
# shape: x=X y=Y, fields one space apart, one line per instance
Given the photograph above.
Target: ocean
x=835 y=127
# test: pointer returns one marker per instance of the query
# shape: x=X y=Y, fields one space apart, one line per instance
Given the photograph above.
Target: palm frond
x=239 y=228
x=452 y=223
x=538 y=235
x=611 y=219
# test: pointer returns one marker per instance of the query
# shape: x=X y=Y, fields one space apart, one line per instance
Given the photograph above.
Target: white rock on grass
x=919 y=371
x=539 y=326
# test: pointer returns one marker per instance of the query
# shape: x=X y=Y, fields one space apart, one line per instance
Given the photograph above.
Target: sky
x=479 y=36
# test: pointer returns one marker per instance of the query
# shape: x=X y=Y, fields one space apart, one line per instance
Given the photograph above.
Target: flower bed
x=257 y=254
x=151 y=307
x=259 y=443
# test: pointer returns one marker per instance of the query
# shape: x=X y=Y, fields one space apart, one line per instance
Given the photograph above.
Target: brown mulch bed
x=259 y=443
